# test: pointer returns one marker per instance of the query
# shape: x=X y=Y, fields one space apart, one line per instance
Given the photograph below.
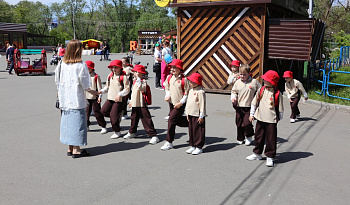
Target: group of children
x=126 y=81
x=263 y=103
x=186 y=96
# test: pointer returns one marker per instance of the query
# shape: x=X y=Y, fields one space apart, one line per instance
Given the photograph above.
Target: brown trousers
x=294 y=107
x=266 y=132
x=196 y=132
x=93 y=104
x=175 y=118
x=142 y=113
x=113 y=110
x=244 y=126
x=125 y=104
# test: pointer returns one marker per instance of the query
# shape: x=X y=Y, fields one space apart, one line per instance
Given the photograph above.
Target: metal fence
x=321 y=72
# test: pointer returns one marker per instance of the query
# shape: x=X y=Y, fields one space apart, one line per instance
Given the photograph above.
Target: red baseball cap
x=90 y=64
x=139 y=68
x=288 y=74
x=196 y=78
x=117 y=63
x=271 y=77
x=235 y=63
x=177 y=63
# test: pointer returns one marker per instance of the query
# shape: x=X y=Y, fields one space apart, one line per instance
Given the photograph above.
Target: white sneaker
x=190 y=150
x=125 y=117
x=103 y=130
x=129 y=136
x=166 y=118
x=116 y=135
x=254 y=157
x=240 y=142
x=248 y=141
x=292 y=120
x=154 y=140
x=197 y=151
x=167 y=145
x=269 y=162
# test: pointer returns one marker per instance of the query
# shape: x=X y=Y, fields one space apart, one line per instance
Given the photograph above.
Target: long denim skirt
x=73 y=129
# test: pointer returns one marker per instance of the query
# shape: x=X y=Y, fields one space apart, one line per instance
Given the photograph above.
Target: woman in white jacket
x=73 y=79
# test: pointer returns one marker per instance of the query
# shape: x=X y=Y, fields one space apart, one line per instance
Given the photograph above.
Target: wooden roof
x=297 y=6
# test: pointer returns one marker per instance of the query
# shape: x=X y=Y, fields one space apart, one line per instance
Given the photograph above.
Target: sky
x=47 y=2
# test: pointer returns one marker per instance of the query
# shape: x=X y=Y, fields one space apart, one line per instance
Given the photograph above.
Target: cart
x=23 y=65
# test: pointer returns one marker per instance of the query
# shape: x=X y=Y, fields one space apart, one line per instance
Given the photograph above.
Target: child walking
x=242 y=94
x=139 y=107
x=176 y=94
x=94 y=101
x=234 y=75
x=127 y=68
x=293 y=89
x=267 y=108
x=196 y=112
x=117 y=86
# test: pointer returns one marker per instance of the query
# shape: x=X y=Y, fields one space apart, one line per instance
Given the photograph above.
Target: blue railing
x=328 y=67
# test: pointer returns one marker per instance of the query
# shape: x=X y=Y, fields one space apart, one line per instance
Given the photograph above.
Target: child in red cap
x=95 y=102
x=267 y=108
x=195 y=112
x=293 y=88
x=176 y=87
x=139 y=106
x=242 y=94
x=117 y=86
x=234 y=75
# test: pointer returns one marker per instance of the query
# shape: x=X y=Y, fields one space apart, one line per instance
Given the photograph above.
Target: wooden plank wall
x=211 y=37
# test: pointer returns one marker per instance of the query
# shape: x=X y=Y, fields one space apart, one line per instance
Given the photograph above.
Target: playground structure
x=22 y=64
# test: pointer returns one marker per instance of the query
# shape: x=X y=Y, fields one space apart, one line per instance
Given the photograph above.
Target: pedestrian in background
x=165 y=69
x=73 y=79
x=10 y=52
x=157 y=65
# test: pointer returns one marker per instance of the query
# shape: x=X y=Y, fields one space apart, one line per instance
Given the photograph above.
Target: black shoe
x=10 y=73
x=83 y=153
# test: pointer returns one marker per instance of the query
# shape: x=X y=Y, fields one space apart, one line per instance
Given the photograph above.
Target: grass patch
x=336 y=90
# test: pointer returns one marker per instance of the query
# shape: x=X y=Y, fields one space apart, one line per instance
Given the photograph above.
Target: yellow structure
x=162 y=3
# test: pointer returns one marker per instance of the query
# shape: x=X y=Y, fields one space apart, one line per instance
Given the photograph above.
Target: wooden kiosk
x=213 y=33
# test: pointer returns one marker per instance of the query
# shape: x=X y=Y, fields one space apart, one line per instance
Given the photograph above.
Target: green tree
x=6 y=12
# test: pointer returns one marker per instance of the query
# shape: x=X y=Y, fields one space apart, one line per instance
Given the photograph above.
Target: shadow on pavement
x=290 y=156
x=115 y=147
x=306 y=119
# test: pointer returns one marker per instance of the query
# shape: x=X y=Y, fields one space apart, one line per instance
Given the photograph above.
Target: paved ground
x=312 y=166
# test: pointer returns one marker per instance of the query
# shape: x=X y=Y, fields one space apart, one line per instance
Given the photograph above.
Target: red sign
x=92 y=44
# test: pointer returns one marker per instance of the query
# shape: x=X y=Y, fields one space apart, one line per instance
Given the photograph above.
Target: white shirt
x=72 y=81
x=166 y=50
x=157 y=54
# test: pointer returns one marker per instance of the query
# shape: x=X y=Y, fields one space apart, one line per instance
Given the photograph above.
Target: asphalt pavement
x=311 y=167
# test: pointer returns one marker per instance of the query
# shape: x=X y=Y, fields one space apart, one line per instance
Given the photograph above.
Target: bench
x=30 y=51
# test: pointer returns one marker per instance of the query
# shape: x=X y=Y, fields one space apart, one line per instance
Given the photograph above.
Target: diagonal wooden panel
x=242 y=41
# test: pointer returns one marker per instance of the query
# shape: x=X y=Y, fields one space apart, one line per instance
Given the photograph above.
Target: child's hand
x=93 y=92
x=129 y=104
x=234 y=100
x=117 y=98
x=251 y=118
x=200 y=120
x=187 y=118
x=99 y=100
x=167 y=99
x=290 y=100
x=99 y=92
x=178 y=105
x=306 y=98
